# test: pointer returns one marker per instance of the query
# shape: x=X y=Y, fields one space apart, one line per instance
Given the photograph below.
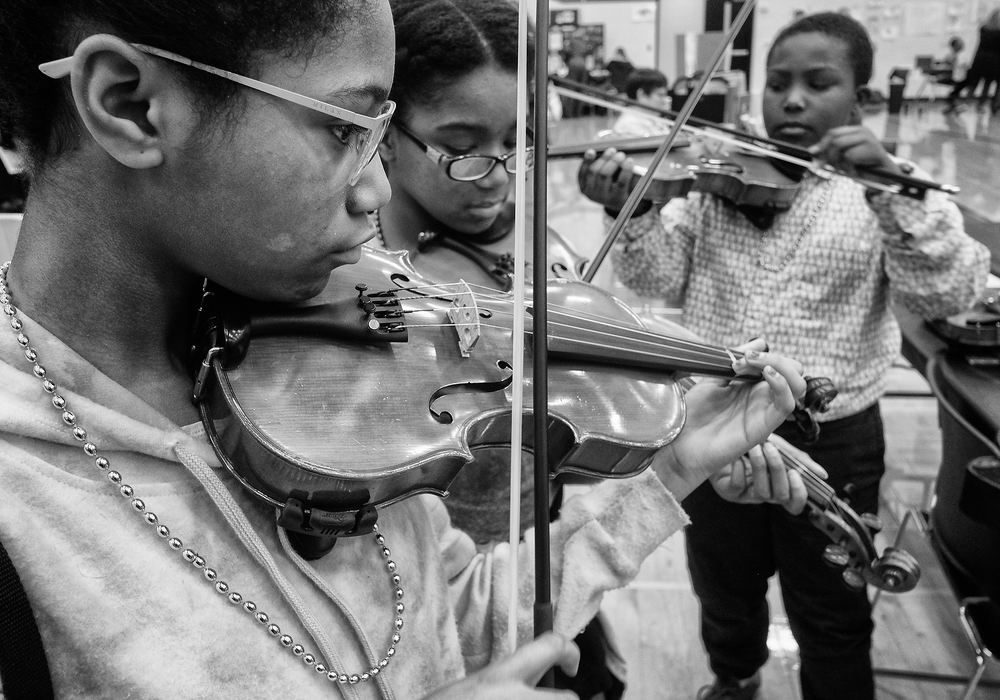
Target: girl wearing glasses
x=450 y=157
x=450 y=152
x=167 y=143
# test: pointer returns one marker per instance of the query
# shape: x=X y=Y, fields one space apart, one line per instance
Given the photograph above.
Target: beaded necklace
x=762 y=260
x=189 y=555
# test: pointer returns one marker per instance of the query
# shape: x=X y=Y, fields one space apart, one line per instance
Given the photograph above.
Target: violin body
x=319 y=416
x=439 y=255
x=743 y=178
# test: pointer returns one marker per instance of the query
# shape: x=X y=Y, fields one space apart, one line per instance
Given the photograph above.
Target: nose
x=496 y=177
x=794 y=99
x=372 y=189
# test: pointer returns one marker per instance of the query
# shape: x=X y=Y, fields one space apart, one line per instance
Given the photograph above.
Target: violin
x=742 y=144
x=852 y=544
x=852 y=547
x=422 y=383
x=440 y=253
x=742 y=177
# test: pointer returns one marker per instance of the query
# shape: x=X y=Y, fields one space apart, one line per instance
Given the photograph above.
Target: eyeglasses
x=470 y=167
x=364 y=139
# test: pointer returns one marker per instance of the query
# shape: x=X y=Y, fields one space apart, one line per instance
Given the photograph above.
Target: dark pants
x=733 y=549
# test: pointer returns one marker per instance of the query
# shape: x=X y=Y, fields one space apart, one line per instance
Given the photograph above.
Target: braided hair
x=438 y=41
x=36 y=112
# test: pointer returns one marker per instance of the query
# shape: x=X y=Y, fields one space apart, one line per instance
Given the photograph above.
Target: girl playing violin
x=167 y=143
x=816 y=282
x=449 y=156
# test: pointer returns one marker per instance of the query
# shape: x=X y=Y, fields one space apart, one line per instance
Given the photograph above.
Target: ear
x=387 y=149
x=123 y=97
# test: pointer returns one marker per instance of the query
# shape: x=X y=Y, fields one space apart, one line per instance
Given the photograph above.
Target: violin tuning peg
x=896 y=570
x=835 y=555
x=872 y=522
x=853 y=579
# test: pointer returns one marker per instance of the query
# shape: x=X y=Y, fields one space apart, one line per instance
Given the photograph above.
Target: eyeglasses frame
x=446 y=161
x=376 y=125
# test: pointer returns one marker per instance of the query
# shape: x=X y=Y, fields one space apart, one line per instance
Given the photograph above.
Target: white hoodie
x=122 y=615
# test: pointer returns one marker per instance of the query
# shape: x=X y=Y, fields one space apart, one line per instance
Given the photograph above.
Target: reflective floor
x=657 y=617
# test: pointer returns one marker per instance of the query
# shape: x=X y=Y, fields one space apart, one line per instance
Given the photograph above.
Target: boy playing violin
x=817 y=282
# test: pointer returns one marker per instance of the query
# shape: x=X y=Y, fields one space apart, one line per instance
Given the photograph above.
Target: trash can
x=897 y=84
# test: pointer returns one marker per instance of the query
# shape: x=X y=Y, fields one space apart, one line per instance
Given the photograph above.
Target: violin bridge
x=464 y=314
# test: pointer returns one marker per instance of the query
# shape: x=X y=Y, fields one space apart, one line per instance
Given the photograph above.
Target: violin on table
x=421 y=383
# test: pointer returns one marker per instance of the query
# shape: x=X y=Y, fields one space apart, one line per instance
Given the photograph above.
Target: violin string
x=704 y=356
x=708 y=363
x=815 y=486
x=616 y=331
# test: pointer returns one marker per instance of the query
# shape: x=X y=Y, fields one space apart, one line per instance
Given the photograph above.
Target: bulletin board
x=901 y=30
x=898 y=19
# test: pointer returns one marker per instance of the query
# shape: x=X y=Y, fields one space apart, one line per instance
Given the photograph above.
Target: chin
x=347 y=257
x=474 y=223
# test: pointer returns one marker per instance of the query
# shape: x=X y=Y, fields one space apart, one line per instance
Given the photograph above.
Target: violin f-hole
x=445 y=417
x=721 y=164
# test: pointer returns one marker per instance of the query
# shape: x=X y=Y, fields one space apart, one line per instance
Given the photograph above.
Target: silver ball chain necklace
x=377 y=223
x=189 y=555
x=762 y=259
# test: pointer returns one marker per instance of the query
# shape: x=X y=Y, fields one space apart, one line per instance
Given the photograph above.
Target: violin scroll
x=853 y=549
x=820 y=391
x=895 y=571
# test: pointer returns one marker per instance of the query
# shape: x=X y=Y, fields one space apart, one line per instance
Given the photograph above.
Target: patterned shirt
x=818 y=284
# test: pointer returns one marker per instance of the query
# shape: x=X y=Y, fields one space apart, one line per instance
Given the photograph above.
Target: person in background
x=984 y=69
x=950 y=70
x=647 y=86
x=817 y=281
x=619 y=68
x=577 y=71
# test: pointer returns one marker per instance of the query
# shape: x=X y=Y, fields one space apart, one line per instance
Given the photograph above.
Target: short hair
x=37 y=113
x=838 y=26
x=645 y=79
x=440 y=41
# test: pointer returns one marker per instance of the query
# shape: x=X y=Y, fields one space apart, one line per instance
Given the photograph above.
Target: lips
x=485 y=206
x=793 y=129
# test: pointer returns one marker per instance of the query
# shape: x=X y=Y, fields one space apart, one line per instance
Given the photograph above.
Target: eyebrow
x=359 y=94
x=825 y=68
x=478 y=131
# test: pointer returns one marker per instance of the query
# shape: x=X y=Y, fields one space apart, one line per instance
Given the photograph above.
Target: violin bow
x=543 y=611
x=517 y=351
x=880 y=178
x=679 y=122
